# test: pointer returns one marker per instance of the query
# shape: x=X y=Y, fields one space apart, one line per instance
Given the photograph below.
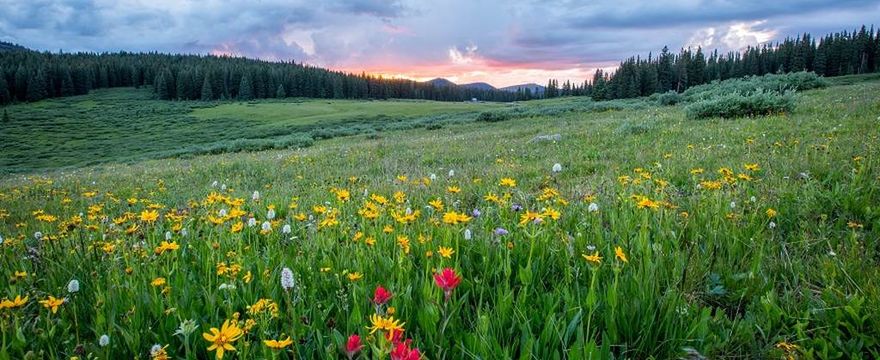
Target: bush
x=778 y=83
x=736 y=104
x=668 y=98
x=493 y=116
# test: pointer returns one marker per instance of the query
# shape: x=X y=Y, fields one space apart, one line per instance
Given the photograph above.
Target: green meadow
x=660 y=236
x=128 y=124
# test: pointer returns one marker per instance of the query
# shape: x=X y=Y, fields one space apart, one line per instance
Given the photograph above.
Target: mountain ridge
x=442 y=82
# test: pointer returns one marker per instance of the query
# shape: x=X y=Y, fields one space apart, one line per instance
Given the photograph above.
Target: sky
x=501 y=42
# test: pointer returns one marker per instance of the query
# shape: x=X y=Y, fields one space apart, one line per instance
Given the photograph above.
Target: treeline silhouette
x=841 y=53
x=32 y=76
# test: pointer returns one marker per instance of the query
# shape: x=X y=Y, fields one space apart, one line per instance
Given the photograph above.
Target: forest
x=842 y=53
x=32 y=76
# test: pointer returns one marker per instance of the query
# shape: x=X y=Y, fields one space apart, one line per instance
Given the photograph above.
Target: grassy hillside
x=662 y=236
x=311 y=111
x=127 y=124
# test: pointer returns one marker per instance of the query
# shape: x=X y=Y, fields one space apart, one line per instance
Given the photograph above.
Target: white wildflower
x=451 y=173
x=252 y=222
x=225 y=286
x=255 y=196
x=593 y=207
x=155 y=350
x=557 y=167
x=287 y=281
x=73 y=286
x=285 y=229
x=104 y=340
x=168 y=236
x=467 y=234
x=267 y=226
x=270 y=214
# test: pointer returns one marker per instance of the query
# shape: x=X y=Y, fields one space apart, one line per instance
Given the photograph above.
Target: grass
x=708 y=268
x=311 y=112
x=128 y=125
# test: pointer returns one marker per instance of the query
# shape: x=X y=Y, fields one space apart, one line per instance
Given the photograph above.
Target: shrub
x=736 y=104
x=668 y=98
x=779 y=83
x=632 y=128
x=493 y=116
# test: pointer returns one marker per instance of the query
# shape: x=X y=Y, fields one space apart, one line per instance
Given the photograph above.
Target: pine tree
x=5 y=96
x=6 y=118
x=21 y=81
x=103 y=77
x=599 y=86
x=649 y=81
x=66 y=83
x=696 y=69
x=245 y=88
x=819 y=63
x=183 y=85
x=36 y=86
x=165 y=85
x=280 y=93
x=207 y=92
x=665 y=77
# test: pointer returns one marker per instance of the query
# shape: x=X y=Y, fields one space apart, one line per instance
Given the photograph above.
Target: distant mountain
x=535 y=88
x=440 y=82
x=5 y=46
x=479 y=86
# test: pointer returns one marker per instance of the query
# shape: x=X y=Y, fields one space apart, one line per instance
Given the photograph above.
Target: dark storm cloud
x=378 y=8
x=656 y=14
x=80 y=17
x=469 y=35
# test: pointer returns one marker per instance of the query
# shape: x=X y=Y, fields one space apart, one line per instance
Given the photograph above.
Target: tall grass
x=749 y=239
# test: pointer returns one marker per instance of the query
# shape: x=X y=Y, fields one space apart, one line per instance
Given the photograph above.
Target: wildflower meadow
x=637 y=233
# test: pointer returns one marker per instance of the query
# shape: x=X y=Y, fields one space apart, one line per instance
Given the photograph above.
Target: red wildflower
x=402 y=351
x=395 y=336
x=381 y=296
x=353 y=346
x=447 y=280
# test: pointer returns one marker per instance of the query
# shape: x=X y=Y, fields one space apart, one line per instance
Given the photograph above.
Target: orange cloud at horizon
x=496 y=73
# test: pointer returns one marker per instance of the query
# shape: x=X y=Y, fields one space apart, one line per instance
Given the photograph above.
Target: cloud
x=500 y=42
x=665 y=13
x=459 y=57
x=378 y=8
x=732 y=37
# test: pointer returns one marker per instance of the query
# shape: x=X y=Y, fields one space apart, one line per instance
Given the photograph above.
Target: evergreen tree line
x=842 y=53
x=31 y=76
